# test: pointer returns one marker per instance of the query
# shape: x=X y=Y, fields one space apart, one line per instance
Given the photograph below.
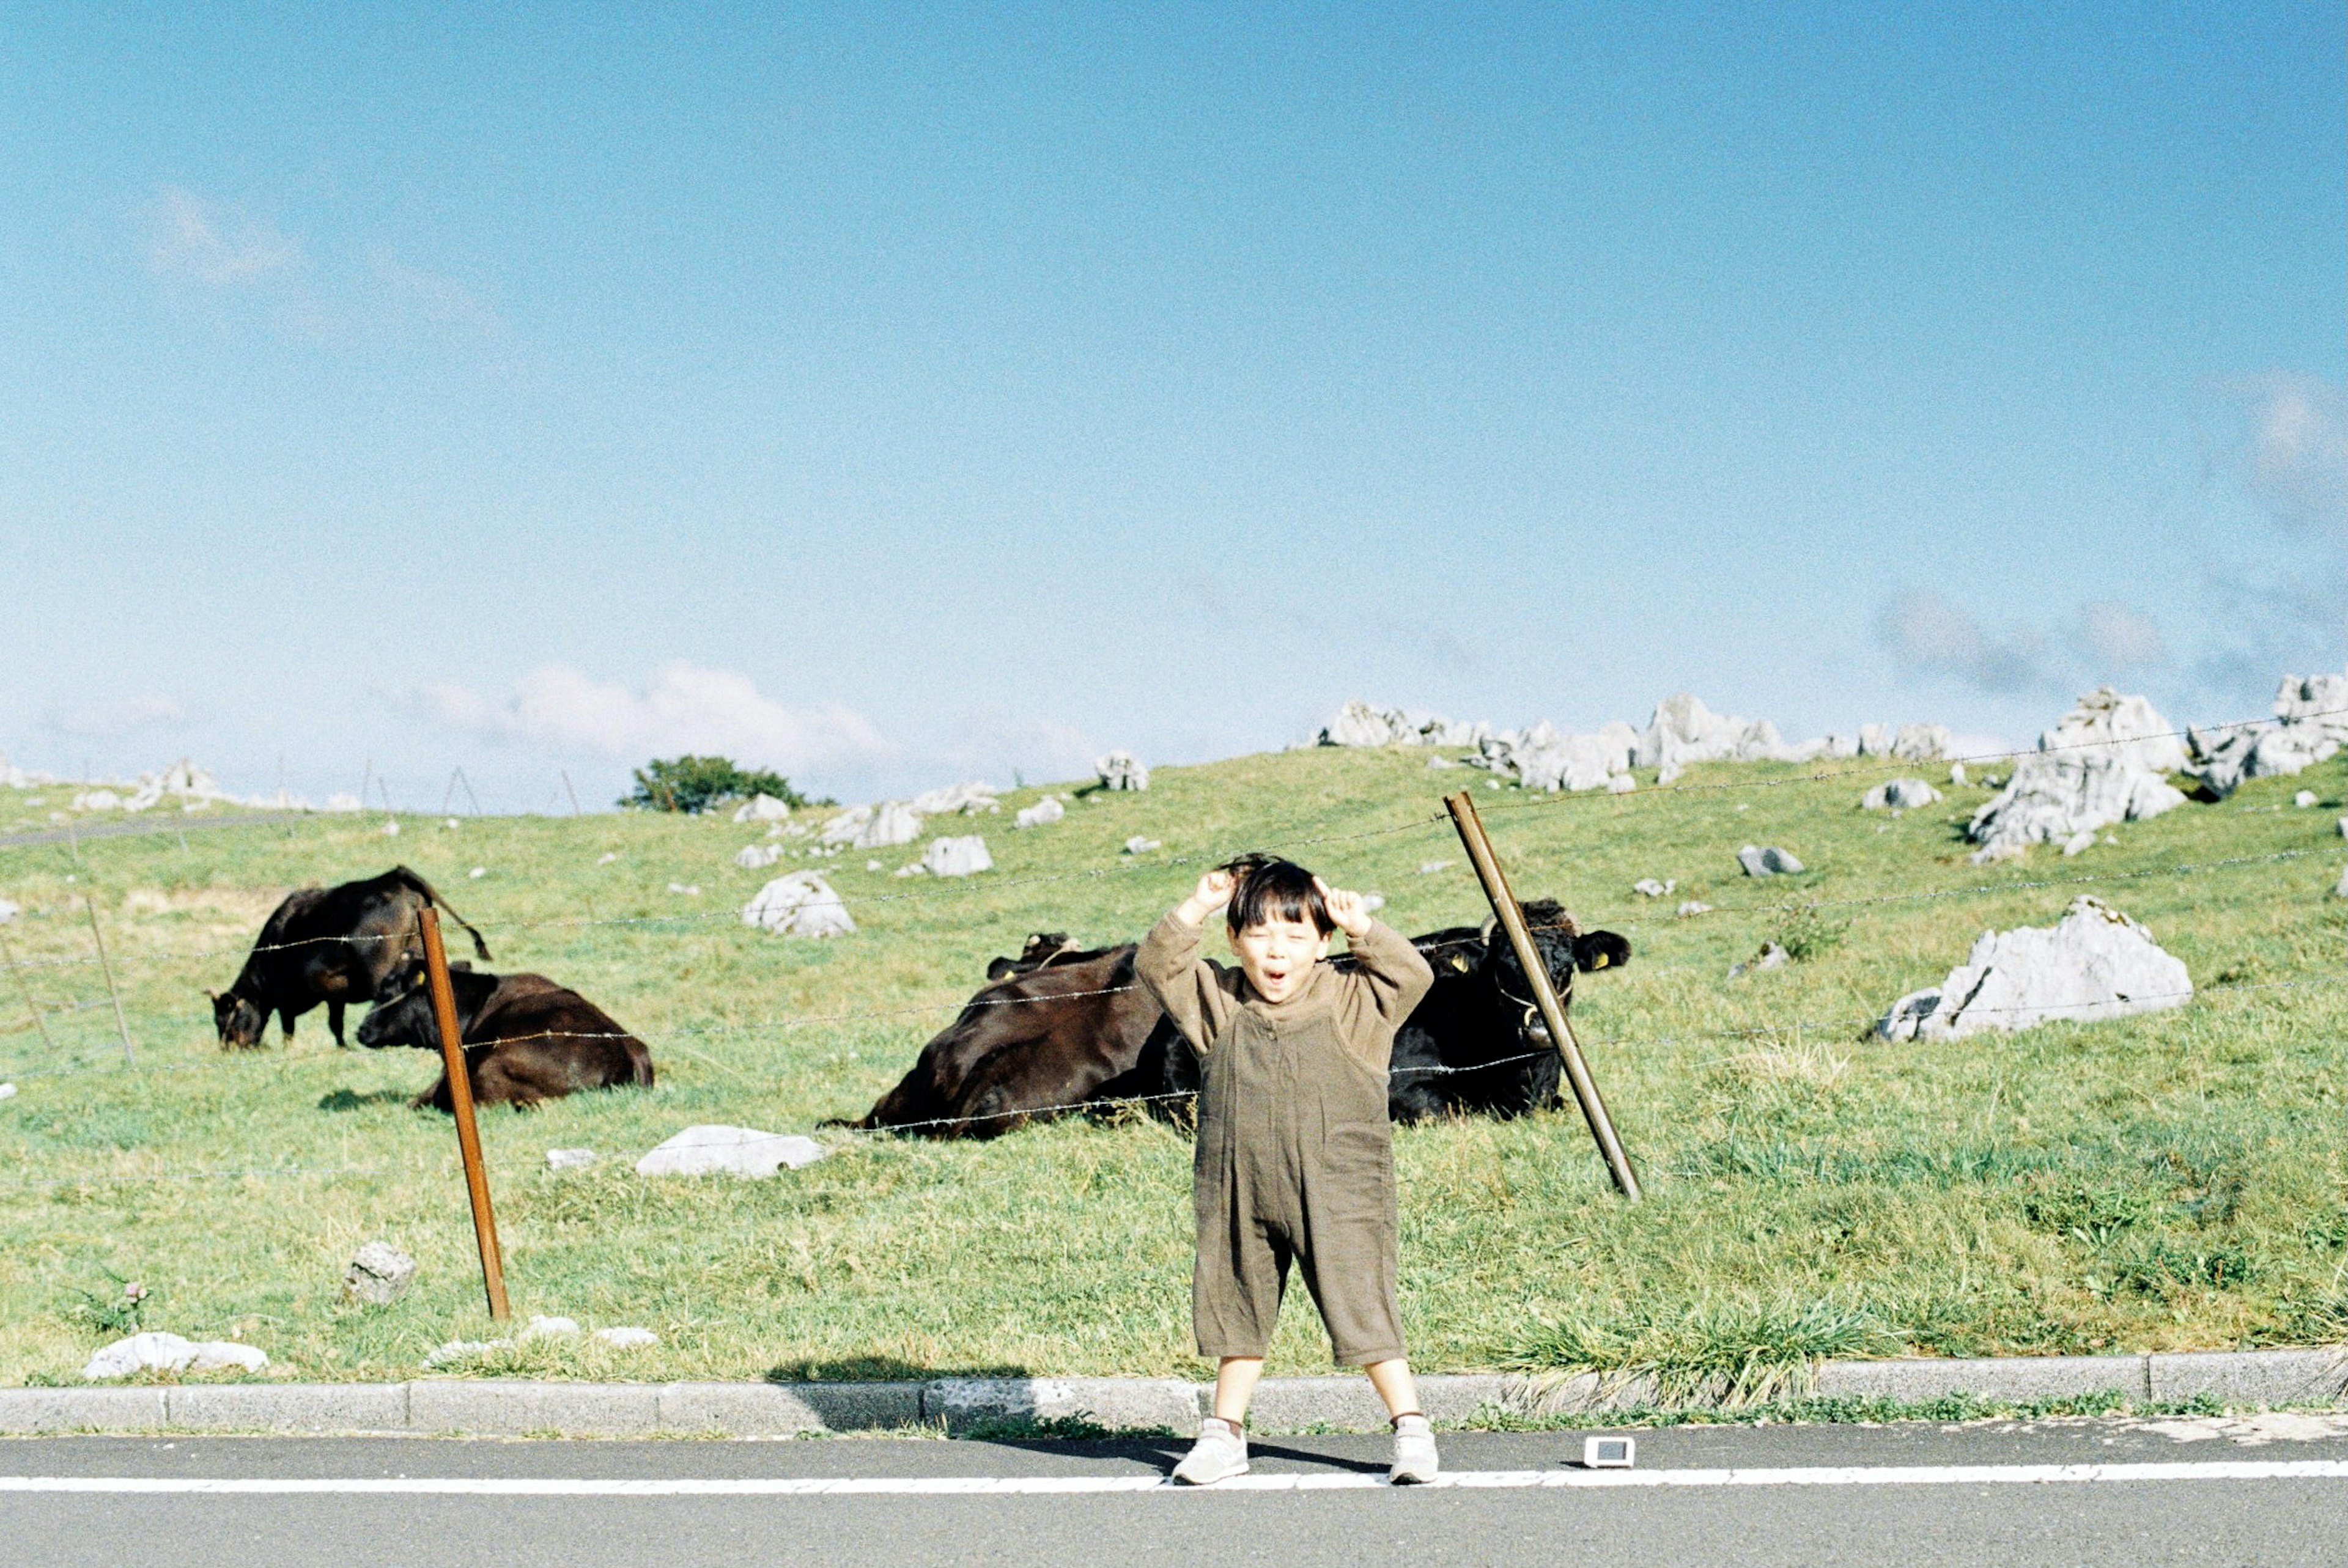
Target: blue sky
x=895 y=396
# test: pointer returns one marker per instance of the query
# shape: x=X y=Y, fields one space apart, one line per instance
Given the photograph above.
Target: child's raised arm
x=1170 y=969
x=1389 y=977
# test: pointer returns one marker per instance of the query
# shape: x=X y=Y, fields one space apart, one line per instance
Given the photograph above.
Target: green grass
x=2170 y=1181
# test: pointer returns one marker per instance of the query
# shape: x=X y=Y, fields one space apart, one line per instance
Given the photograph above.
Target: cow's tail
x=432 y=896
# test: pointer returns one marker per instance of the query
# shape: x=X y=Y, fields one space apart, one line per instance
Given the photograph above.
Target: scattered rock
x=1138 y=844
x=957 y=856
x=758 y=857
x=1957 y=774
x=1041 y=813
x=2103 y=763
x=451 y=823
x=1543 y=758
x=2079 y=842
x=379 y=1275
x=391 y=829
x=1621 y=784
x=2341 y=891
x=157 y=1352
x=570 y=1159
x=2310 y=724
x=799 y=905
x=1372 y=902
x=1695 y=906
x=969 y=799
x=465 y=1350
x=1429 y=867
x=762 y=808
x=549 y=1329
x=477 y=872
x=1121 y=771
x=690 y=889
x=2303 y=799
x=2095 y=963
x=882 y=826
x=606 y=858
x=1769 y=862
x=1360 y=724
x=7 y=1092
x=626 y=1338
x=9 y=910
x=1770 y=956
x=712 y=1150
x=1900 y=794
x=1648 y=888
x=1440 y=762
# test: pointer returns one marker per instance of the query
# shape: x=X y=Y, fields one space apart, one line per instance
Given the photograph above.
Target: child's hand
x=1214 y=891
x=1345 y=909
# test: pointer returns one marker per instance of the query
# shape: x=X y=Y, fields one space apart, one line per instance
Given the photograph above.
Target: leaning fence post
x=26 y=986
x=460 y=1103
x=1512 y=916
x=105 y=967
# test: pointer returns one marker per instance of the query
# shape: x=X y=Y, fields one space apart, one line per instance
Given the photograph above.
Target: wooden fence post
x=461 y=1102
x=106 y=966
x=1512 y=916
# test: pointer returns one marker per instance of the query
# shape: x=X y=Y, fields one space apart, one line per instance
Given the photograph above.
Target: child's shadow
x=1166 y=1452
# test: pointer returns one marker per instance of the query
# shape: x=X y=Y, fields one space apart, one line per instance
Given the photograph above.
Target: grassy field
x=2168 y=1181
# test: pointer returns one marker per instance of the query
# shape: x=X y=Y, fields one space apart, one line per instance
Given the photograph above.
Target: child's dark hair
x=1271 y=888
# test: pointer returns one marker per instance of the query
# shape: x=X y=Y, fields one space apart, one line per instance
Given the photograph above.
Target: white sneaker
x=1413 y=1462
x=1220 y=1454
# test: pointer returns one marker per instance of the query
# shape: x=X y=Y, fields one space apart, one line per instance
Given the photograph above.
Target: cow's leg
x=335 y=1022
x=285 y=1021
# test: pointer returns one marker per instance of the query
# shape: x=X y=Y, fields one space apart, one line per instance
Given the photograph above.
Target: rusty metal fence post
x=460 y=1105
x=1512 y=916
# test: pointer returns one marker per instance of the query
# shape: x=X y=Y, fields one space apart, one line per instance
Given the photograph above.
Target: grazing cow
x=526 y=1038
x=1059 y=1028
x=332 y=945
x=1053 y=1030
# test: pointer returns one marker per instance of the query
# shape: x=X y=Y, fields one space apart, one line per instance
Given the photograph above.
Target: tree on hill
x=696 y=784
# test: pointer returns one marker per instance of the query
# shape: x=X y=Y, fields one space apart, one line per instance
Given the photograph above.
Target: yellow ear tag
x=1459 y=962
x=1602 y=961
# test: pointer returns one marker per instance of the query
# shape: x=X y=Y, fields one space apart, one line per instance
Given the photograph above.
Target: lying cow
x=1060 y=1028
x=1055 y=1028
x=333 y=945
x=526 y=1038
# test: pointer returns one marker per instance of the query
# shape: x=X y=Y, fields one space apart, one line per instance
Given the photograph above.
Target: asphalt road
x=1702 y=1495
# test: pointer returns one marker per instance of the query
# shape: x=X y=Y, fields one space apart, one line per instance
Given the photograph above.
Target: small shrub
x=1806 y=935
x=695 y=785
x=2095 y=1215
x=1731 y=1353
x=116 y=1311
x=2151 y=1271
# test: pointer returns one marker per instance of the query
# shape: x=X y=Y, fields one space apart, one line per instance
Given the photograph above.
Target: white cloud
x=224 y=246
x=1925 y=632
x=2295 y=459
x=684 y=708
x=2114 y=637
x=106 y=720
x=433 y=299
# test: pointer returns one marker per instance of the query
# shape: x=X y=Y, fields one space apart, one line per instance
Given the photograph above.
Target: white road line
x=1028 y=1485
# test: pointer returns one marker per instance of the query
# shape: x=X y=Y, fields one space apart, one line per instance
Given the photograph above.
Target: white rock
x=9 y=910
x=1648 y=888
x=1900 y=794
x=570 y=1159
x=391 y=829
x=1372 y=902
x=606 y=858
x=1360 y=724
x=1621 y=784
x=957 y=856
x=2103 y=763
x=872 y=865
x=713 y=1149
x=2343 y=828
x=1957 y=774
x=966 y=798
x=7 y=1092
x=168 y=1353
x=1138 y=844
x=2095 y=963
x=1429 y=867
x=477 y=872
x=1121 y=771
x=379 y=1274
x=1041 y=813
x=802 y=903
x=2303 y=799
x=1439 y=761
x=1769 y=862
x=762 y=808
x=2341 y=891
x=1545 y=758
x=2079 y=842
x=1695 y=906
x=1771 y=956
x=627 y=1337
x=758 y=857
x=465 y=1350
x=2310 y=724
x=690 y=889
x=549 y=1329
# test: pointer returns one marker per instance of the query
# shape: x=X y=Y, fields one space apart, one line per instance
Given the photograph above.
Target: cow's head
x=239 y=1019
x=1564 y=948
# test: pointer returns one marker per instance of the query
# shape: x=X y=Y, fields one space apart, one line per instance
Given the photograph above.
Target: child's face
x=1278 y=956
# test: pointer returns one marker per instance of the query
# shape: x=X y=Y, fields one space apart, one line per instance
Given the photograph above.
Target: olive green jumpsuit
x=1294 y=1158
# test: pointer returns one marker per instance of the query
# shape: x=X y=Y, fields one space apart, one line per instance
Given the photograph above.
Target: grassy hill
x=2168 y=1182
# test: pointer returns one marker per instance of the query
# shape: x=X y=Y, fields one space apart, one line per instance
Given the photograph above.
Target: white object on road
x=1609 y=1453
x=714 y=1150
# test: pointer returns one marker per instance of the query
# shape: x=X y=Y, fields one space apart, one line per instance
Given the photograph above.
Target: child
x=1295 y=1157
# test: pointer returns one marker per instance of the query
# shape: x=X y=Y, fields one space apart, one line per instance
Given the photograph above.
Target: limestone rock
x=799 y=905
x=2094 y=963
x=2310 y=724
x=157 y=1352
x=2303 y=799
x=1957 y=774
x=1770 y=956
x=1041 y=813
x=1769 y=862
x=1694 y=906
x=1122 y=771
x=1360 y=724
x=712 y=1150
x=379 y=1275
x=758 y=857
x=969 y=799
x=627 y=1337
x=9 y=910
x=1138 y=844
x=1900 y=794
x=540 y=1327
x=2103 y=763
x=762 y=807
x=1648 y=888
x=957 y=856
x=570 y=1159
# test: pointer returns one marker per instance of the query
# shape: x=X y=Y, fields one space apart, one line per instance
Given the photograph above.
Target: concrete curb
x=514 y=1408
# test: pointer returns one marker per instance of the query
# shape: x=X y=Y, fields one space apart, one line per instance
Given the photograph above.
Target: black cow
x=526 y=1038
x=332 y=945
